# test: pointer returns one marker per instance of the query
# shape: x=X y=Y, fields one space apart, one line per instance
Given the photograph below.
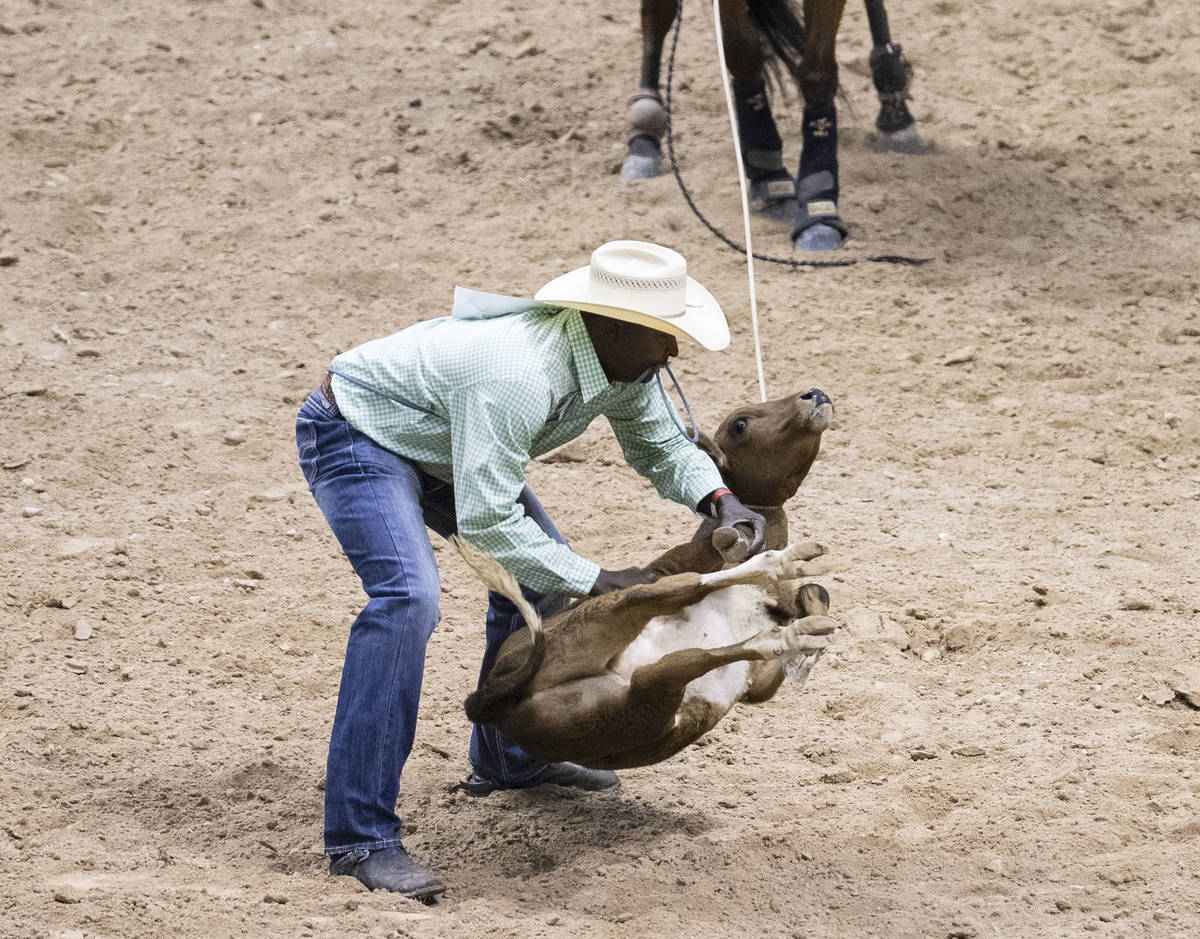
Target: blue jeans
x=379 y=505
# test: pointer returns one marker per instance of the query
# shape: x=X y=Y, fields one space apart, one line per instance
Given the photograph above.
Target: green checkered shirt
x=512 y=387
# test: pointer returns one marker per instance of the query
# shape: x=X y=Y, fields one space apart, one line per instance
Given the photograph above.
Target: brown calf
x=631 y=677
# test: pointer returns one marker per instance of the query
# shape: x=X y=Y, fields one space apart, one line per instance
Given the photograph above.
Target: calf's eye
x=740 y=425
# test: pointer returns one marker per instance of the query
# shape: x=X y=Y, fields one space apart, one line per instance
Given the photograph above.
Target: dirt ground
x=202 y=202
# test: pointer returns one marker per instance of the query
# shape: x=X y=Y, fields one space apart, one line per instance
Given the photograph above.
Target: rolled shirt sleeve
x=491 y=425
x=653 y=445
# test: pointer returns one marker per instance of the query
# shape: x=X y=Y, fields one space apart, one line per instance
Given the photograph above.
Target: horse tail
x=781 y=23
x=507 y=678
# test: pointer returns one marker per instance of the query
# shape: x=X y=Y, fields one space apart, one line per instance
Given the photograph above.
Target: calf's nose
x=816 y=396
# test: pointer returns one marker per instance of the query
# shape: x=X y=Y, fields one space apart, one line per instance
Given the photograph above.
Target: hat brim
x=701 y=321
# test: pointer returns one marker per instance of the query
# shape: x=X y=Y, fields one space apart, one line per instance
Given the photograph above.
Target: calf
x=631 y=677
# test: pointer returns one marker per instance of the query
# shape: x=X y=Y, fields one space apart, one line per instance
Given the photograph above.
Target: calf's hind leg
x=658 y=689
x=766 y=677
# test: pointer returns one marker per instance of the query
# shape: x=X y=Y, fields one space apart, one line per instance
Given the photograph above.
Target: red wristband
x=714 y=496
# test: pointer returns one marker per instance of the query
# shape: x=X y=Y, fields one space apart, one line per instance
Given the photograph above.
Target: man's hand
x=619 y=580
x=741 y=533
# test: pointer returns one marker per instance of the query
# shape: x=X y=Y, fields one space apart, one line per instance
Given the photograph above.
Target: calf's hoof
x=731 y=544
x=797 y=668
x=819 y=237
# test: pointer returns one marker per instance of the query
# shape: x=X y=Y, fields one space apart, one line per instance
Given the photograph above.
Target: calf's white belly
x=720 y=619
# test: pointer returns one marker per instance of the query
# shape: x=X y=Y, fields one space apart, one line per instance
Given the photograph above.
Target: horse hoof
x=904 y=140
x=638 y=167
x=777 y=210
x=774 y=198
x=818 y=237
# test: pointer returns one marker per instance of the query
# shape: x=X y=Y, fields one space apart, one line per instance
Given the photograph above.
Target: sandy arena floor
x=202 y=202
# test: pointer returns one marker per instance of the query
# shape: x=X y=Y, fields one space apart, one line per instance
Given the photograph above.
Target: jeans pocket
x=306 y=446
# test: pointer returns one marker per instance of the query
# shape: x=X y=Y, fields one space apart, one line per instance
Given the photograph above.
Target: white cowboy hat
x=642 y=283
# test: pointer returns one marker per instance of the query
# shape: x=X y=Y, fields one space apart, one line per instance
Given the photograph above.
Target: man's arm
x=491 y=426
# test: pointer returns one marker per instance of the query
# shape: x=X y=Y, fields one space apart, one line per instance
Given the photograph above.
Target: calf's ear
x=710 y=446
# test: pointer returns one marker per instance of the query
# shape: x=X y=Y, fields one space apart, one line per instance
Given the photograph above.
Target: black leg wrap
x=762 y=147
x=891 y=72
x=817 y=187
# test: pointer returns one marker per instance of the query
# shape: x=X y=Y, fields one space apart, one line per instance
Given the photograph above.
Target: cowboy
x=432 y=427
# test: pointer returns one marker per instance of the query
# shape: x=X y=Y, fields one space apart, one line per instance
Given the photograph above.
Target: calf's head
x=764 y=451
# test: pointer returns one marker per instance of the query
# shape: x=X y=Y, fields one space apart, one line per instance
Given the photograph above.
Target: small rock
x=970 y=750
x=1160 y=695
x=87 y=352
x=31 y=510
x=235 y=436
x=838 y=777
x=8 y=259
x=271 y=495
x=867 y=624
x=274 y=898
x=67 y=896
x=959 y=356
x=390 y=165
x=75 y=547
x=83 y=630
x=728 y=803
x=1184 y=680
x=922 y=754
x=77 y=667
x=957 y=637
x=1137 y=603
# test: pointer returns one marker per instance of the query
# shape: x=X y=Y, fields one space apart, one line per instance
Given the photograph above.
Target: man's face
x=640 y=350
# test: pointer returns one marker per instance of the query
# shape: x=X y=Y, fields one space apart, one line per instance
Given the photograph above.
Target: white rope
x=737 y=156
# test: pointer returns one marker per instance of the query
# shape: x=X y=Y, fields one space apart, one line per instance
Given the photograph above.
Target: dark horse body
x=803 y=43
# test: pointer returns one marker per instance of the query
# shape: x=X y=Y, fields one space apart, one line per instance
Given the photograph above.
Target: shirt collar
x=477 y=305
x=592 y=379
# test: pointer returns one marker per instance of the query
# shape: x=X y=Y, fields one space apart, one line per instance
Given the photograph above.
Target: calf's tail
x=507 y=678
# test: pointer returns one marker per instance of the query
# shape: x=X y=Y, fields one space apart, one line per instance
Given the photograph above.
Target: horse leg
x=818 y=226
x=891 y=73
x=772 y=188
x=647 y=116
